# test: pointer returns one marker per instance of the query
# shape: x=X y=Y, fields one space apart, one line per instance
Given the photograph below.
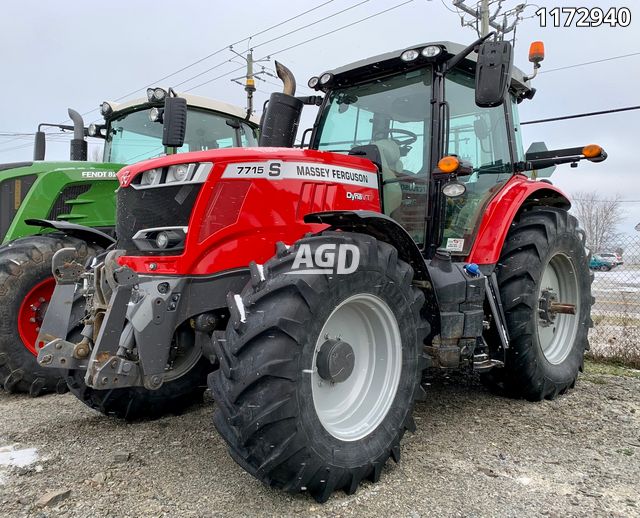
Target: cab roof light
x=409 y=55
x=431 y=51
x=106 y=109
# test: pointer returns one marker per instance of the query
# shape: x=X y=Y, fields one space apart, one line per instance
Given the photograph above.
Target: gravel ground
x=474 y=454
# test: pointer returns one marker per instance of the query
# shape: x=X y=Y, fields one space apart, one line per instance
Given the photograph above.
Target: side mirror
x=39 y=146
x=493 y=73
x=174 y=128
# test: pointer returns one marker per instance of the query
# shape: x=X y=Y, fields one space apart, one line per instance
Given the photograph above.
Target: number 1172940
x=584 y=17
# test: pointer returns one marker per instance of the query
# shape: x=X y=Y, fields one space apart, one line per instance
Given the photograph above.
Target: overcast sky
x=76 y=53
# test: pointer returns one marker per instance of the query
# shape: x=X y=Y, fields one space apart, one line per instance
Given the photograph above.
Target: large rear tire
x=26 y=286
x=319 y=371
x=543 y=259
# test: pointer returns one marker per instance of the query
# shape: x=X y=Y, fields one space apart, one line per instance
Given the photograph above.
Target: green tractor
x=46 y=206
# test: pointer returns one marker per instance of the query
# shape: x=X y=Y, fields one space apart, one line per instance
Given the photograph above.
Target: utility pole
x=249 y=77
x=484 y=18
x=484 y=21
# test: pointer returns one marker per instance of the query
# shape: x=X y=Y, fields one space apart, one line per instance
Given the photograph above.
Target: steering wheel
x=410 y=136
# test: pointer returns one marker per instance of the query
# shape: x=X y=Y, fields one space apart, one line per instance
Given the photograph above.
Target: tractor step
x=482 y=363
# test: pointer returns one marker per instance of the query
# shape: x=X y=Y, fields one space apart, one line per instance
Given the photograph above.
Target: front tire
x=290 y=416
x=136 y=403
x=543 y=257
x=26 y=286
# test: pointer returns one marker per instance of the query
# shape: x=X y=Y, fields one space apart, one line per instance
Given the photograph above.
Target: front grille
x=12 y=193
x=138 y=209
x=70 y=192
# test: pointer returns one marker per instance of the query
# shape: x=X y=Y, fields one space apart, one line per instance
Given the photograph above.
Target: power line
x=310 y=24
x=263 y=31
x=590 y=62
x=218 y=65
x=219 y=51
x=343 y=27
x=580 y=115
x=333 y=31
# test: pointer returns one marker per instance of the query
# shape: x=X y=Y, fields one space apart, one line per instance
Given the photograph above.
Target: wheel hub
x=547 y=298
x=335 y=361
x=549 y=307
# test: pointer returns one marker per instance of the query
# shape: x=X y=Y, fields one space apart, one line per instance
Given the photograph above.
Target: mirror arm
x=452 y=62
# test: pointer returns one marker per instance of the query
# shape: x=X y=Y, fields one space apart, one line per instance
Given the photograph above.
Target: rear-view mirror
x=493 y=73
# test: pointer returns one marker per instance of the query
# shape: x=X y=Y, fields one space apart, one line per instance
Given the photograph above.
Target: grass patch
x=610 y=368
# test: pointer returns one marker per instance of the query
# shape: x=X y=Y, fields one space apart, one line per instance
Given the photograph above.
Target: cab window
x=479 y=136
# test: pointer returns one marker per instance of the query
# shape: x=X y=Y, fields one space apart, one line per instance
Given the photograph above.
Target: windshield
x=394 y=114
x=133 y=137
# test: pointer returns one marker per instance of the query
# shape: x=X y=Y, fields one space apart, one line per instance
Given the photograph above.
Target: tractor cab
x=411 y=108
x=133 y=131
x=406 y=110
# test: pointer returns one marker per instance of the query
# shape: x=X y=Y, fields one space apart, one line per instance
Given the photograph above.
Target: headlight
x=179 y=173
x=155 y=114
x=159 y=94
x=453 y=189
x=409 y=55
x=194 y=172
x=105 y=109
x=162 y=239
x=155 y=239
x=151 y=177
x=431 y=51
x=326 y=78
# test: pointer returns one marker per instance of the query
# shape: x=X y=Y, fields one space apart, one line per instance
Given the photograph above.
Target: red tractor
x=408 y=235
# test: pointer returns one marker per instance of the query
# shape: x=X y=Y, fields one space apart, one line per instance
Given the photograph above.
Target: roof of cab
x=449 y=47
x=195 y=101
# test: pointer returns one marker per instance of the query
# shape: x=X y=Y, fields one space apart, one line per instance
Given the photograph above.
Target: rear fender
x=518 y=194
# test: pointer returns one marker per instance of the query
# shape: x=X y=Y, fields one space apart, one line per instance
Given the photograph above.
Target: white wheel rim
x=352 y=409
x=557 y=338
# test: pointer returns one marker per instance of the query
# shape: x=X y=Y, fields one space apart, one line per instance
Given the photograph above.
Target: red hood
x=129 y=172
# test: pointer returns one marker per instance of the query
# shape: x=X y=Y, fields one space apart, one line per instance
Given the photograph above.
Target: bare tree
x=599 y=217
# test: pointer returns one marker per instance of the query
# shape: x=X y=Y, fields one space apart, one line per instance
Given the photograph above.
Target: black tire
x=24 y=264
x=535 y=238
x=136 y=403
x=265 y=410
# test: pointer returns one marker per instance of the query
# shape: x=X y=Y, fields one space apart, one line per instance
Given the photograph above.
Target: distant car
x=613 y=257
x=602 y=264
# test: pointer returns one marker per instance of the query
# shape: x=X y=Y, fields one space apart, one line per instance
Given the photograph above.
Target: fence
x=616 y=312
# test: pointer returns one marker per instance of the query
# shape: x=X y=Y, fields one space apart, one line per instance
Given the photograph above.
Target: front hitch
x=53 y=349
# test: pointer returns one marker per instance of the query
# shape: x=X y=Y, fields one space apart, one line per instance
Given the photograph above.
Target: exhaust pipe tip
x=78 y=150
x=287 y=78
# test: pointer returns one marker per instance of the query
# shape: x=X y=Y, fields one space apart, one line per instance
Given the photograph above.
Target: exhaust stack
x=78 y=148
x=280 y=120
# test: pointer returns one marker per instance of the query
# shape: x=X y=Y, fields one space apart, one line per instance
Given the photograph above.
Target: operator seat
x=391 y=167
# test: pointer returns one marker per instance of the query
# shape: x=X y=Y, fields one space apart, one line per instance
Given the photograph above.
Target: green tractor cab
x=45 y=206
